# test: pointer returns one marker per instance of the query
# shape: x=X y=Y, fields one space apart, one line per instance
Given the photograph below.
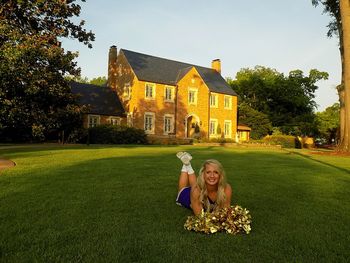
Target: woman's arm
x=196 y=205
x=228 y=192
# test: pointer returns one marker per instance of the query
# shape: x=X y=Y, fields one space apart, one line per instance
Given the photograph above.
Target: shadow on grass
x=322 y=162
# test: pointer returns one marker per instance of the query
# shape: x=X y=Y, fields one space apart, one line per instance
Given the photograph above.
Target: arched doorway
x=192 y=124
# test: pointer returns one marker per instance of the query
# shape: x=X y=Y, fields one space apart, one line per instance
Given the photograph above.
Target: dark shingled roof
x=102 y=100
x=165 y=71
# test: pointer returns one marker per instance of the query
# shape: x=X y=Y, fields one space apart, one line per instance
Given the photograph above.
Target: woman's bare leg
x=187 y=176
x=186 y=179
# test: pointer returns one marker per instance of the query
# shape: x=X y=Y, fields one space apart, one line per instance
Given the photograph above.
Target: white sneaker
x=185 y=157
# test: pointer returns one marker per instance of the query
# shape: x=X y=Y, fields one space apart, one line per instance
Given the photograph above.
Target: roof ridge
x=172 y=60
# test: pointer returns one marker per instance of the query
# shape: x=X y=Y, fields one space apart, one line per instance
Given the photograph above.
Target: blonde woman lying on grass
x=208 y=192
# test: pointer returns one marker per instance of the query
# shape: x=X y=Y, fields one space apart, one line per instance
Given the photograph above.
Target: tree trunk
x=340 y=89
x=345 y=18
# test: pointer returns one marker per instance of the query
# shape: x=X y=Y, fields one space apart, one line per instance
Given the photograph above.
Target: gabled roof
x=166 y=71
x=102 y=100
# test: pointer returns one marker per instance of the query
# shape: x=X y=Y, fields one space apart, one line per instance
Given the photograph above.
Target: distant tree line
x=272 y=102
x=98 y=81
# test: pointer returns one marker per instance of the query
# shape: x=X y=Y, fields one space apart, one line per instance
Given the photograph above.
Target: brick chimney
x=112 y=66
x=216 y=65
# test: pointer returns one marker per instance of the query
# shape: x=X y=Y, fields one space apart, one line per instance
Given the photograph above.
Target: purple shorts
x=184 y=197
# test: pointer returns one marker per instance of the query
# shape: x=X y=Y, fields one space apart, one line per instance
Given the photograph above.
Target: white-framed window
x=114 y=120
x=228 y=102
x=169 y=94
x=93 y=120
x=127 y=91
x=228 y=129
x=149 y=121
x=168 y=123
x=150 y=90
x=129 y=119
x=192 y=96
x=214 y=100
x=213 y=125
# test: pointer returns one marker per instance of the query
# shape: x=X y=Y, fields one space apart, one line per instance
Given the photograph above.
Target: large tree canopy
x=35 y=98
x=288 y=101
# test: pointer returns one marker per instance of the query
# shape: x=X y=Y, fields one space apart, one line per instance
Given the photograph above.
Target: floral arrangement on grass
x=232 y=220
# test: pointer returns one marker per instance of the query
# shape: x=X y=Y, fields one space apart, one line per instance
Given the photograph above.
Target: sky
x=281 y=34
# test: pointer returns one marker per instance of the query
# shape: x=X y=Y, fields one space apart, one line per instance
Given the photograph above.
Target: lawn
x=116 y=204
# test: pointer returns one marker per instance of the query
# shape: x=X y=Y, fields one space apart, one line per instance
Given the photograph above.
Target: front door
x=190 y=127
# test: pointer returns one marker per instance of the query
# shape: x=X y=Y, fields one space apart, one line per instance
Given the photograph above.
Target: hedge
x=286 y=141
x=114 y=134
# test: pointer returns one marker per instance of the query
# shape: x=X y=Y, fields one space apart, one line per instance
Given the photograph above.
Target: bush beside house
x=115 y=134
x=286 y=141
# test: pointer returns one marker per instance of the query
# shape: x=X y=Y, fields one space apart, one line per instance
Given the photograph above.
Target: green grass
x=116 y=204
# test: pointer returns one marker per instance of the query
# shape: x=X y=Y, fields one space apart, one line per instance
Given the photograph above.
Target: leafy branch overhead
x=33 y=91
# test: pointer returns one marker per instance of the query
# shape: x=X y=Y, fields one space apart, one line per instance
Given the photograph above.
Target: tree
x=35 y=98
x=339 y=10
x=77 y=78
x=328 y=123
x=345 y=17
x=257 y=121
x=99 y=81
x=286 y=100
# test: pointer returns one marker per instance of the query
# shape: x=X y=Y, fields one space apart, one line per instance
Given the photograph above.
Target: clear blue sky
x=281 y=34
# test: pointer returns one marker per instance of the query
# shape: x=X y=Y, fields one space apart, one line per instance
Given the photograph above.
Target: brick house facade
x=168 y=98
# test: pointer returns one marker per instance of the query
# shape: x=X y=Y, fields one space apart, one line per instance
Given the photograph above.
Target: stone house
x=168 y=98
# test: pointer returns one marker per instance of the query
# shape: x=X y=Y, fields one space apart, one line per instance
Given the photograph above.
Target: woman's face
x=211 y=174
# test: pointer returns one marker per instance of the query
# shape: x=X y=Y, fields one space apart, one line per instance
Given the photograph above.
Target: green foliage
x=218 y=130
x=332 y=8
x=286 y=100
x=197 y=128
x=257 y=121
x=115 y=134
x=286 y=141
x=77 y=78
x=35 y=98
x=276 y=131
x=328 y=122
x=99 y=81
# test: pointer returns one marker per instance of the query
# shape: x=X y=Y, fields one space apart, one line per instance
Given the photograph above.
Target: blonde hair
x=220 y=196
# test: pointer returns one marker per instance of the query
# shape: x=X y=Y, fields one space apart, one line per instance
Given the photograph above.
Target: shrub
x=286 y=141
x=214 y=140
x=78 y=135
x=109 y=134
